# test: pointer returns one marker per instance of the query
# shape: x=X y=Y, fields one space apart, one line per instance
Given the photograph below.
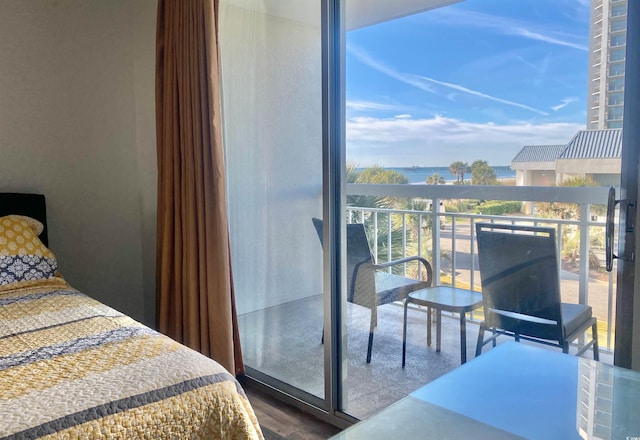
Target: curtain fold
x=196 y=304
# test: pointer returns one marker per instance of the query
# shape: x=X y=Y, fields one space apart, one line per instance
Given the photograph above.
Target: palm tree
x=435 y=179
x=482 y=173
x=459 y=169
x=386 y=223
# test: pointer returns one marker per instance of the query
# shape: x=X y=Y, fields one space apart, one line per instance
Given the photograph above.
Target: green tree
x=570 y=211
x=353 y=176
x=377 y=174
x=482 y=173
x=459 y=169
x=565 y=211
x=386 y=222
x=435 y=179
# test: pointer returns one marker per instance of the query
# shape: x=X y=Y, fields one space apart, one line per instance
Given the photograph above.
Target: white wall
x=77 y=124
x=272 y=89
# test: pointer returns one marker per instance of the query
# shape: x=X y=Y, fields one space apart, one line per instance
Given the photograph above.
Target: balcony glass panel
x=614 y=113
x=616 y=84
x=618 y=25
x=616 y=69
x=617 y=40
x=272 y=98
x=619 y=10
x=616 y=98
x=617 y=54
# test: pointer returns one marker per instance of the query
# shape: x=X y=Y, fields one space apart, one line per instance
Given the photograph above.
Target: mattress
x=72 y=367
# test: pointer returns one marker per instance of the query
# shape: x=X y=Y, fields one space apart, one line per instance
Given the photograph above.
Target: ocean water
x=420 y=174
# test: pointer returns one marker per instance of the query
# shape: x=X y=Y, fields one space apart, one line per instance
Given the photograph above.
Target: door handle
x=610 y=228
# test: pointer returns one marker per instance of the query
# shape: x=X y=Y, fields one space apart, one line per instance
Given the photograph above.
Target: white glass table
x=515 y=390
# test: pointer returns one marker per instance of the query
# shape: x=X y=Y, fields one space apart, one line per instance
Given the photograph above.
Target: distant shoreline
x=417 y=174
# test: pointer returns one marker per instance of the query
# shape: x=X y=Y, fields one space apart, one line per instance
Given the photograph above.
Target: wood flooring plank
x=287 y=421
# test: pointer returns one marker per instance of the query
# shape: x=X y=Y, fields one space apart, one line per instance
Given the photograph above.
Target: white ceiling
x=362 y=13
x=359 y=13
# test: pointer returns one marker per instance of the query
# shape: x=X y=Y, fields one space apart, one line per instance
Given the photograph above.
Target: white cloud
x=565 y=102
x=364 y=57
x=404 y=116
x=483 y=95
x=425 y=83
x=546 y=38
x=506 y=26
x=439 y=141
x=368 y=105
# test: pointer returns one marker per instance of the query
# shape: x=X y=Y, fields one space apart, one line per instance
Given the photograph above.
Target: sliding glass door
x=459 y=104
x=272 y=110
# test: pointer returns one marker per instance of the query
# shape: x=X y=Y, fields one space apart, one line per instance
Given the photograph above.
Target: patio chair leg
x=594 y=336
x=371 y=328
x=370 y=345
x=480 y=340
x=404 y=333
x=565 y=347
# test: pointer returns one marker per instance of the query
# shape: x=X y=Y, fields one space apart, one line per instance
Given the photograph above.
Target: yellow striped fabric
x=71 y=367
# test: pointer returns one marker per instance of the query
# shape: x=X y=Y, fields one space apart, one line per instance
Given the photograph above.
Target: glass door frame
x=627 y=338
x=334 y=196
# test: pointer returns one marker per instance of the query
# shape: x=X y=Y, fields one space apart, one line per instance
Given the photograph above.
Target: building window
x=618 y=10
x=616 y=54
x=616 y=84
x=616 y=69
x=614 y=113
x=614 y=124
x=617 y=40
x=616 y=98
x=619 y=24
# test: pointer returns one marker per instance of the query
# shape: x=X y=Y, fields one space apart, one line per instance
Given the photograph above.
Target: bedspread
x=71 y=367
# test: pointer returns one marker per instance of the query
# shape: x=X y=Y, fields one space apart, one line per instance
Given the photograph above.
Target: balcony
x=447 y=240
x=453 y=235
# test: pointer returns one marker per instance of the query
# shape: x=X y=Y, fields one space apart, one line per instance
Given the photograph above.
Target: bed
x=72 y=367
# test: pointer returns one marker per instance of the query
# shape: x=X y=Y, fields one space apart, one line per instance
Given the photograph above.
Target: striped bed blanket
x=71 y=367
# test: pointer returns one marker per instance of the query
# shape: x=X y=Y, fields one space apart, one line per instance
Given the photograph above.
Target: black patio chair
x=521 y=289
x=369 y=284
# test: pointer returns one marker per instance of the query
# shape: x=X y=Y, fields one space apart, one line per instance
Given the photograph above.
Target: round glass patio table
x=450 y=299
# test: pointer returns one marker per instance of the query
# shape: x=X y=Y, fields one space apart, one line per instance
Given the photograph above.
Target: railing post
x=375 y=236
x=435 y=240
x=583 y=286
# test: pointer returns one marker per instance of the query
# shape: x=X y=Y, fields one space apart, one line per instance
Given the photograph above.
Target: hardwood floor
x=282 y=421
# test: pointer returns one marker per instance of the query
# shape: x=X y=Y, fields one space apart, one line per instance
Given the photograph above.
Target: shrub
x=460 y=205
x=498 y=207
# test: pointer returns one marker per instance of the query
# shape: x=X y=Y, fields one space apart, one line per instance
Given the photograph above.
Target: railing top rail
x=590 y=195
x=499 y=218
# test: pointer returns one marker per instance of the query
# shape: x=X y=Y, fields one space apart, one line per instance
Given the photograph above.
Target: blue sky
x=476 y=80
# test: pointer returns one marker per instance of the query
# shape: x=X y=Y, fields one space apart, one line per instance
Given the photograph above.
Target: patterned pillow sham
x=23 y=257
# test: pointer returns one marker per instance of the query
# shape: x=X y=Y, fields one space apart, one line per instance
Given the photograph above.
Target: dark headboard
x=31 y=205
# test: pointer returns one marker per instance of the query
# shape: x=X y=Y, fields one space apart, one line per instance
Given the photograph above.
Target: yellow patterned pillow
x=23 y=257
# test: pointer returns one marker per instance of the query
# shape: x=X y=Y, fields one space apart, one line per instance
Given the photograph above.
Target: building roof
x=594 y=144
x=539 y=153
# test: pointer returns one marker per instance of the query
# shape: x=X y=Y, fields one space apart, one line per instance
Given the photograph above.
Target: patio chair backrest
x=361 y=290
x=520 y=279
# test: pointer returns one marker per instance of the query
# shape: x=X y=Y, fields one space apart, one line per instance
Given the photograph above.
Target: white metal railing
x=457 y=223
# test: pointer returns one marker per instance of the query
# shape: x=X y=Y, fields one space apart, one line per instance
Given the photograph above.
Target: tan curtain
x=196 y=305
